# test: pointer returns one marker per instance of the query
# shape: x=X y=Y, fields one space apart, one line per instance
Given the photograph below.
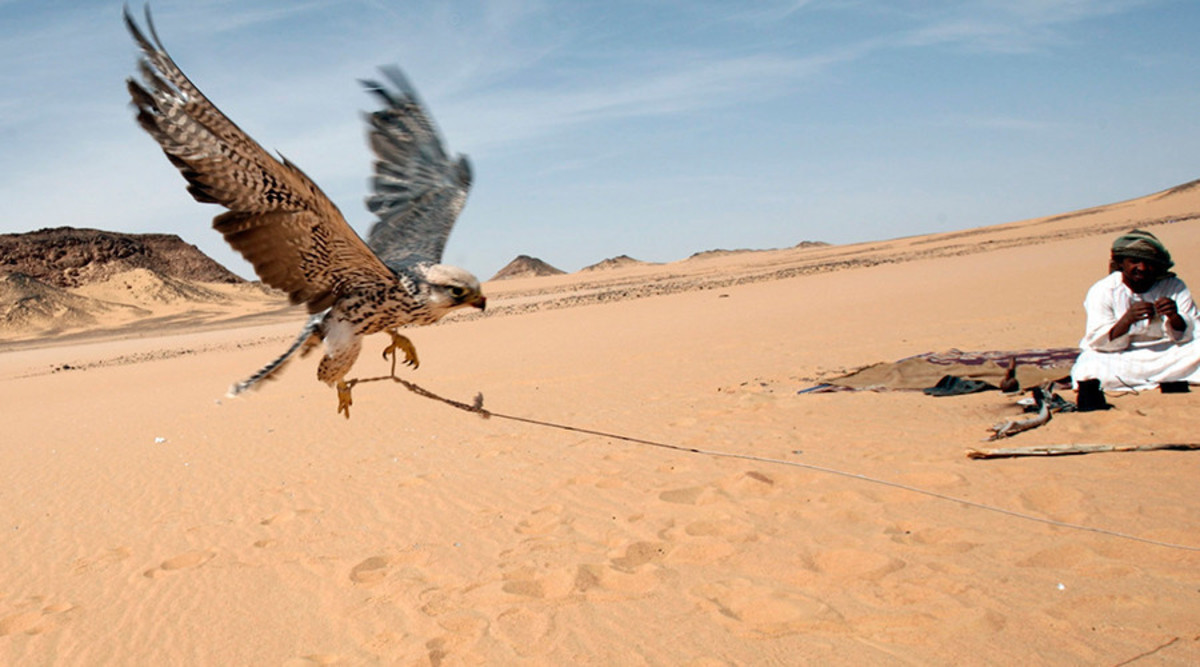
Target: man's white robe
x=1151 y=352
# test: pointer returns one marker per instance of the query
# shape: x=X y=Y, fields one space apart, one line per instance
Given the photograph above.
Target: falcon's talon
x=401 y=343
x=344 y=399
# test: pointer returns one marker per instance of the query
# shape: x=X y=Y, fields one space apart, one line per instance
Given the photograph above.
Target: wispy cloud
x=1007 y=26
x=563 y=100
x=995 y=122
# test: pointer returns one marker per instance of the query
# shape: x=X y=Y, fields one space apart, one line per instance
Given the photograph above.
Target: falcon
x=296 y=238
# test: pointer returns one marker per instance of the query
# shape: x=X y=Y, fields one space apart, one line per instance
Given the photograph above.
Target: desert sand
x=148 y=519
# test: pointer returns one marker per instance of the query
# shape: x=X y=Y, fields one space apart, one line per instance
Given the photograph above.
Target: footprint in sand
x=1070 y=557
x=538 y=581
x=1056 y=501
x=692 y=495
x=542 y=521
x=708 y=540
x=755 y=610
x=855 y=564
x=527 y=631
x=286 y=516
x=370 y=571
x=28 y=622
x=103 y=560
x=314 y=660
x=463 y=631
x=624 y=575
x=32 y=622
x=722 y=528
x=403 y=567
x=933 y=539
x=640 y=553
x=601 y=582
x=750 y=483
x=184 y=561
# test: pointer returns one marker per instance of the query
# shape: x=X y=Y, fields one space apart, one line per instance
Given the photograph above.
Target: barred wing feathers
x=278 y=219
x=418 y=191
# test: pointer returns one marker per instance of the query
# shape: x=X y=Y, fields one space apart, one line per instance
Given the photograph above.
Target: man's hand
x=1142 y=310
x=1166 y=307
x=1138 y=310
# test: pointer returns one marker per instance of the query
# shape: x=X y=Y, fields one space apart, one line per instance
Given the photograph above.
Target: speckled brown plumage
x=295 y=237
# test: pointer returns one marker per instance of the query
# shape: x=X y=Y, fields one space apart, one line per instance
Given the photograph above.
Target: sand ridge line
x=154 y=355
x=770 y=265
x=639 y=288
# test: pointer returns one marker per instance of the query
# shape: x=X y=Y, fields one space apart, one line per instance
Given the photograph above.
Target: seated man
x=1141 y=321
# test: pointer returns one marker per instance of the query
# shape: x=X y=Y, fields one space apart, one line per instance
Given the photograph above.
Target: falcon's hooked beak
x=479 y=302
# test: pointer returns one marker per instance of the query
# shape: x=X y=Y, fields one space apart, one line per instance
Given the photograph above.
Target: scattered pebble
x=159 y=440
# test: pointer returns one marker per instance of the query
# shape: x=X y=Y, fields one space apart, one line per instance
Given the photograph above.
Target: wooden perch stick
x=1011 y=427
x=1066 y=449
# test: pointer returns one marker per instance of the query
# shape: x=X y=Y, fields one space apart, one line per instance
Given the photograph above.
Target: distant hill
x=618 y=262
x=53 y=281
x=525 y=266
x=67 y=257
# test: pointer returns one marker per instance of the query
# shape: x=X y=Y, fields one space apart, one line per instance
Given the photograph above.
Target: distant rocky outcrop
x=721 y=252
x=525 y=266
x=66 y=257
x=618 y=262
x=54 y=281
x=718 y=252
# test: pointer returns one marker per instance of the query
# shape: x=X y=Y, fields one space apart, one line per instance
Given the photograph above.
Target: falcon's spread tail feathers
x=305 y=339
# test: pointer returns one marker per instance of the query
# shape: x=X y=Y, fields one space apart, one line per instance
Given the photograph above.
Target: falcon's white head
x=451 y=287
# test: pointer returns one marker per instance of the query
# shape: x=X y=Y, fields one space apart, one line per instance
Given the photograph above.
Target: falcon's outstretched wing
x=278 y=219
x=418 y=190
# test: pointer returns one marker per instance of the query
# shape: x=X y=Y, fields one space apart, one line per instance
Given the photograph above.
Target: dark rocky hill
x=525 y=266
x=67 y=257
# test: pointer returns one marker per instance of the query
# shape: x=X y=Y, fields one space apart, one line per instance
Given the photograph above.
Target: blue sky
x=655 y=128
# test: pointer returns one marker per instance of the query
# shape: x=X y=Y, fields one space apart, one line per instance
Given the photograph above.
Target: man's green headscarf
x=1139 y=244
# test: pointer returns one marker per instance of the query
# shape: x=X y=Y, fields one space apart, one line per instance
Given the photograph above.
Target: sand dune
x=697 y=510
x=130 y=303
x=618 y=262
x=33 y=308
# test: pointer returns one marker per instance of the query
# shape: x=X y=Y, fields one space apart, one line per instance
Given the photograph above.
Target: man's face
x=1139 y=274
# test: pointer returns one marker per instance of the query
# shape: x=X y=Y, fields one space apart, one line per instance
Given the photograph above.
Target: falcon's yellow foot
x=401 y=343
x=344 y=400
